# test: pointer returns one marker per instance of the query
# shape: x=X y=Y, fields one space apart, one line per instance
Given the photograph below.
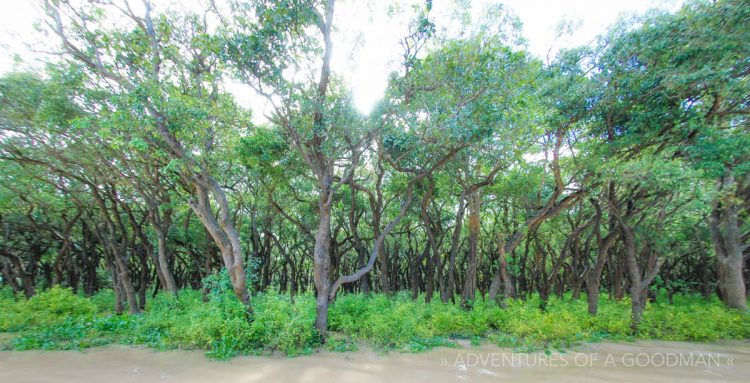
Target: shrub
x=187 y=322
x=9 y=317
x=47 y=308
x=6 y=295
x=691 y=318
x=612 y=319
x=280 y=325
x=104 y=300
x=57 y=304
x=221 y=327
x=396 y=322
x=58 y=319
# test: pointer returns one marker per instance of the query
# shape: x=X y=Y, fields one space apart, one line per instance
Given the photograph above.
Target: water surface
x=643 y=361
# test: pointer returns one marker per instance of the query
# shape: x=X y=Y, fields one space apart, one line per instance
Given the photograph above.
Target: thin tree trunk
x=470 y=282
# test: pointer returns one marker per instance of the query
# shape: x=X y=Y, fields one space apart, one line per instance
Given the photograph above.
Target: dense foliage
x=59 y=320
x=488 y=195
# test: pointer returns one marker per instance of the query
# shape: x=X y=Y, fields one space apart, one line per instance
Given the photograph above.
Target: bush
x=385 y=322
x=612 y=319
x=57 y=304
x=58 y=319
x=401 y=323
x=691 y=318
x=221 y=327
x=524 y=325
x=283 y=326
x=187 y=322
x=47 y=308
x=9 y=319
x=104 y=300
x=6 y=295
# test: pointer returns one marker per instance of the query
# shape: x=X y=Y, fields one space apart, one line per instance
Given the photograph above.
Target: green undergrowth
x=57 y=319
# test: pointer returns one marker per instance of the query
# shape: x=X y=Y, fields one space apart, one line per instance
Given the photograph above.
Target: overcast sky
x=367 y=26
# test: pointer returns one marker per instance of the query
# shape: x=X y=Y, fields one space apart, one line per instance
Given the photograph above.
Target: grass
x=57 y=319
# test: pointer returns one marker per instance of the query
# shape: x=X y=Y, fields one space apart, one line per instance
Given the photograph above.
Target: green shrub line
x=57 y=319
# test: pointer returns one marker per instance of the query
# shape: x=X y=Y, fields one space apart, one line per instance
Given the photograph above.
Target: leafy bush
x=57 y=304
x=47 y=308
x=401 y=323
x=76 y=333
x=104 y=300
x=9 y=319
x=58 y=319
x=612 y=319
x=6 y=295
x=691 y=318
x=187 y=322
x=283 y=326
x=396 y=322
x=221 y=327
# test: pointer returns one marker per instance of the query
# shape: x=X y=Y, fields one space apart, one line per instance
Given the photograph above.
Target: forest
x=603 y=192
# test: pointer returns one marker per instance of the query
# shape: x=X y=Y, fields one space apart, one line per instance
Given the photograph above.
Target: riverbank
x=642 y=361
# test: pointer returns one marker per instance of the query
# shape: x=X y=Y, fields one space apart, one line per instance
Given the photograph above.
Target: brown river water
x=652 y=361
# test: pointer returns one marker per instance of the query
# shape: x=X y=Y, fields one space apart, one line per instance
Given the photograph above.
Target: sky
x=366 y=45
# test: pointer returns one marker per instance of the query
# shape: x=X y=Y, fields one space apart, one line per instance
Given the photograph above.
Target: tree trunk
x=725 y=232
x=470 y=282
x=161 y=227
x=434 y=259
x=638 y=283
x=119 y=260
x=501 y=276
x=455 y=242
x=595 y=273
x=321 y=258
x=225 y=236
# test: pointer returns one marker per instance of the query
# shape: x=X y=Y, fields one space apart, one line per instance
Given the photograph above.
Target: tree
x=181 y=104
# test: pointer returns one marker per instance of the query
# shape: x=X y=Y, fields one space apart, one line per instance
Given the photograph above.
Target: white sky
x=366 y=26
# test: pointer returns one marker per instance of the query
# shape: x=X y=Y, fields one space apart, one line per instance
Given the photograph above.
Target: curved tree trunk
x=501 y=276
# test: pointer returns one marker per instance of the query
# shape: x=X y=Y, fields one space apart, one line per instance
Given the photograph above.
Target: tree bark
x=725 y=233
x=321 y=257
x=501 y=276
x=470 y=282
x=450 y=288
x=161 y=227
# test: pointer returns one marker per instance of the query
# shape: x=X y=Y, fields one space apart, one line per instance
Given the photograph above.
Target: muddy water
x=612 y=362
